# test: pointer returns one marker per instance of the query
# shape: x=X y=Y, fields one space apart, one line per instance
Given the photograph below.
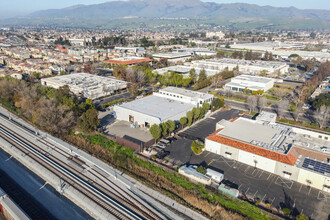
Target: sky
x=12 y=8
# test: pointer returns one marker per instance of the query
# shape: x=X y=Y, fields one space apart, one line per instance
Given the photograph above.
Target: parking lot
x=113 y=127
x=251 y=182
x=204 y=128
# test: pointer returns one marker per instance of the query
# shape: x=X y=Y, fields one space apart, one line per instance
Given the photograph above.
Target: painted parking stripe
x=272 y=202
x=255 y=194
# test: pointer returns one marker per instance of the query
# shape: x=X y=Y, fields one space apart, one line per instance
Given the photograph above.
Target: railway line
x=90 y=181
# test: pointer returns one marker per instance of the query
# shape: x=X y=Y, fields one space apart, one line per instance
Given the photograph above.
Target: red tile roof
x=284 y=158
x=62 y=49
x=128 y=61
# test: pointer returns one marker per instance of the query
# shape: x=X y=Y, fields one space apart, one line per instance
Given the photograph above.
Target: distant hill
x=209 y=12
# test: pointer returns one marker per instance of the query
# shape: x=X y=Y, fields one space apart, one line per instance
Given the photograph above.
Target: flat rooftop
x=128 y=60
x=91 y=86
x=158 y=107
x=172 y=55
x=185 y=70
x=314 y=165
x=252 y=63
x=188 y=93
x=84 y=80
x=252 y=79
x=270 y=136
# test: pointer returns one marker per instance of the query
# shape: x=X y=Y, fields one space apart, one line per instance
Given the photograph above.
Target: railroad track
x=116 y=201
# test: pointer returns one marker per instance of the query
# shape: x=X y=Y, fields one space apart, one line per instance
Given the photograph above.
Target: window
x=326 y=188
x=228 y=155
x=326 y=138
x=320 y=136
x=201 y=102
x=287 y=174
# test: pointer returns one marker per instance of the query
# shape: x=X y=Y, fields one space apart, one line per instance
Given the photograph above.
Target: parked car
x=162 y=154
x=161 y=145
x=165 y=141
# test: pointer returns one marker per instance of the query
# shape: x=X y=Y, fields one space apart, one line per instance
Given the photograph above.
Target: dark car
x=162 y=154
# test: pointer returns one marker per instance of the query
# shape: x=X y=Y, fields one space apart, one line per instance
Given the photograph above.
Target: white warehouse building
x=88 y=85
x=292 y=153
x=244 y=66
x=168 y=104
x=253 y=83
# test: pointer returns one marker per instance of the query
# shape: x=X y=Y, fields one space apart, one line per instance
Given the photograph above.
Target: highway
x=75 y=172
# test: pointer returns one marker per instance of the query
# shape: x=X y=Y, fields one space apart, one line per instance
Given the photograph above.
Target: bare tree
x=140 y=77
x=262 y=102
x=283 y=107
x=322 y=115
x=252 y=102
x=298 y=109
x=130 y=75
x=279 y=92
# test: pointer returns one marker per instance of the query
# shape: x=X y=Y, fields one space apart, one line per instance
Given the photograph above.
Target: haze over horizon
x=24 y=7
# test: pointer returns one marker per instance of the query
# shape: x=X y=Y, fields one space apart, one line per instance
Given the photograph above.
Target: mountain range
x=235 y=15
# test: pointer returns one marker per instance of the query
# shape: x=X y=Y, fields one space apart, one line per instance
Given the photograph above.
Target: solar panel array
x=317 y=166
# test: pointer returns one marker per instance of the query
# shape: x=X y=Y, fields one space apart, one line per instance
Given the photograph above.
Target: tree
x=297 y=109
x=183 y=121
x=164 y=128
x=202 y=76
x=283 y=107
x=279 y=92
x=322 y=99
x=133 y=89
x=89 y=120
x=155 y=131
x=322 y=115
x=252 y=102
x=89 y=68
x=286 y=211
x=193 y=75
x=190 y=116
x=197 y=113
x=262 y=101
x=217 y=104
x=170 y=125
x=302 y=217
x=248 y=55
x=201 y=169
x=206 y=106
x=197 y=146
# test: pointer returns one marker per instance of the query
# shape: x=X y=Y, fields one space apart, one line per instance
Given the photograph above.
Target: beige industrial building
x=293 y=153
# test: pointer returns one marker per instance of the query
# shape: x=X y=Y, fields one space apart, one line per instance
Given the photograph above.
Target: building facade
x=170 y=103
x=252 y=83
x=295 y=154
